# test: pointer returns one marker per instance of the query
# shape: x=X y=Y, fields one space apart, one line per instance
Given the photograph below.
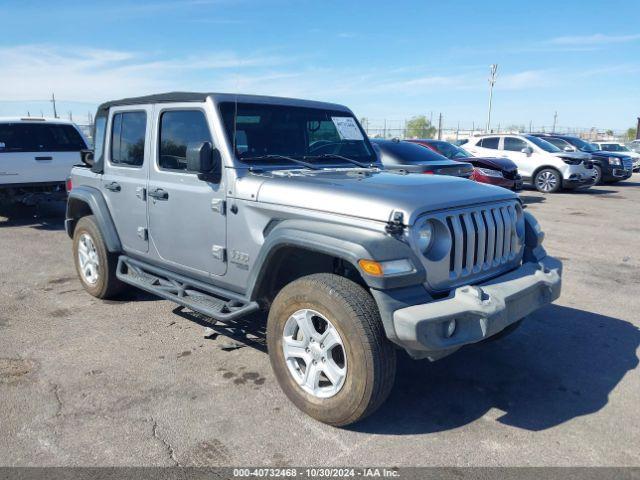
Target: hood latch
x=395 y=225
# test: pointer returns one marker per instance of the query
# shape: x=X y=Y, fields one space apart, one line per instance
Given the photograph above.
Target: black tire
x=548 y=180
x=370 y=357
x=107 y=284
x=597 y=171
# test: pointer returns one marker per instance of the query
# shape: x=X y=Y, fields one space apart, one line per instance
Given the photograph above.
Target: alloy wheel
x=314 y=353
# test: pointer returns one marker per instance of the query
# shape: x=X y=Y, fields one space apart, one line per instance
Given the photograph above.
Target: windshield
x=450 y=150
x=264 y=133
x=613 y=147
x=543 y=144
x=582 y=145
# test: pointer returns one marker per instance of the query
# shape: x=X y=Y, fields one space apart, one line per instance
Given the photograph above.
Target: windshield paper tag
x=347 y=128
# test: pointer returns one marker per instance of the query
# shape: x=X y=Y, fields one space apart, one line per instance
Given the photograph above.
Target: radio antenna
x=235 y=117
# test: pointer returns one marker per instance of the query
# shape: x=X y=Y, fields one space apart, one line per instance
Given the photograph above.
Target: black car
x=608 y=166
x=410 y=157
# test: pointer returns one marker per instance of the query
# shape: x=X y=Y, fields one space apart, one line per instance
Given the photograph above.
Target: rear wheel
x=96 y=266
x=328 y=349
x=548 y=180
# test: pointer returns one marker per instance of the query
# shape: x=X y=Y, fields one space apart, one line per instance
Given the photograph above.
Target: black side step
x=193 y=294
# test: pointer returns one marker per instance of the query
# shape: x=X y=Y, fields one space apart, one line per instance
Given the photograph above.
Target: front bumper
x=479 y=311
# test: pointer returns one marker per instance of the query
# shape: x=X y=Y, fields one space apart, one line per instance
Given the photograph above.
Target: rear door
x=39 y=152
x=187 y=223
x=485 y=147
x=124 y=181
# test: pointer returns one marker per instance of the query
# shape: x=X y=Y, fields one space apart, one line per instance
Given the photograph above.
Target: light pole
x=492 y=80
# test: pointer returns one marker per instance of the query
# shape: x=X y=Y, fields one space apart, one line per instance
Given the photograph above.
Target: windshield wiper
x=339 y=157
x=282 y=157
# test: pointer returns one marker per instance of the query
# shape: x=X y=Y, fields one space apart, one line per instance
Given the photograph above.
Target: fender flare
x=340 y=241
x=94 y=200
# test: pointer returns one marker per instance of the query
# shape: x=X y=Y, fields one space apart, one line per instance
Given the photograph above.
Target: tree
x=609 y=132
x=630 y=134
x=420 y=127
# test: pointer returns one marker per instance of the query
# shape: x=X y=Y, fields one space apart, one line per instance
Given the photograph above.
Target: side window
x=514 y=144
x=489 y=142
x=128 y=131
x=14 y=137
x=561 y=144
x=179 y=128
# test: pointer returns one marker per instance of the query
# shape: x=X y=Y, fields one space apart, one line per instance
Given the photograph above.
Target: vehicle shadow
x=250 y=331
x=43 y=216
x=560 y=364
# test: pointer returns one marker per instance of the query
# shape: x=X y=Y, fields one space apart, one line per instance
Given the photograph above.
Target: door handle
x=159 y=194
x=43 y=158
x=113 y=186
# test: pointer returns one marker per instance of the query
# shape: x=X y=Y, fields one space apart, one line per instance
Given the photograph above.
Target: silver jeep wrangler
x=230 y=204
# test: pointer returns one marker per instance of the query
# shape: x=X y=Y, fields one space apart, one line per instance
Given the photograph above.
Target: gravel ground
x=85 y=382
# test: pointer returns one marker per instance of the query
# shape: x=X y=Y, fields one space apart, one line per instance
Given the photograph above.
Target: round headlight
x=425 y=236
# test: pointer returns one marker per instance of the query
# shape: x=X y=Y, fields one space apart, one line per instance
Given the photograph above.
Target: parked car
x=540 y=164
x=230 y=204
x=402 y=155
x=608 y=166
x=493 y=170
x=622 y=149
x=634 y=146
x=36 y=156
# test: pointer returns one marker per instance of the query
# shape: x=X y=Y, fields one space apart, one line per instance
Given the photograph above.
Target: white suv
x=36 y=156
x=539 y=163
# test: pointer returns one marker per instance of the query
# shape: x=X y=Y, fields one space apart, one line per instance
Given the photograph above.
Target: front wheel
x=548 y=180
x=328 y=349
x=597 y=175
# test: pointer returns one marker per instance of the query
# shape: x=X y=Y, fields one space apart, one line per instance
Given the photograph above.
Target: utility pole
x=384 y=134
x=53 y=101
x=70 y=116
x=493 y=73
x=530 y=126
x=555 y=119
x=458 y=131
x=440 y=126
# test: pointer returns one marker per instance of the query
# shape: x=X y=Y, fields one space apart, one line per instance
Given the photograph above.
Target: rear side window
x=33 y=137
x=178 y=129
x=128 y=130
x=489 y=142
x=514 y=144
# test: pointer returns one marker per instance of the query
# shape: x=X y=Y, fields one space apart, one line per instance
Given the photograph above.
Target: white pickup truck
x=36 y=156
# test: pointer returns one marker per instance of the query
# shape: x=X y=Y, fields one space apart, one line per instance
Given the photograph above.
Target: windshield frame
x=274 y=163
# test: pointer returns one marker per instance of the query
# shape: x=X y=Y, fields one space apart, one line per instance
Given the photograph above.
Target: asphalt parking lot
x=85 y=382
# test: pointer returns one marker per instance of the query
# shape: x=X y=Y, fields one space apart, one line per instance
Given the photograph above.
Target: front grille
x=627 y=163
x=482 y=239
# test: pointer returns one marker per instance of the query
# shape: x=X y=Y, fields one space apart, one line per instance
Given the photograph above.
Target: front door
x=526 y=162
x=187 y=223
x=127 y=154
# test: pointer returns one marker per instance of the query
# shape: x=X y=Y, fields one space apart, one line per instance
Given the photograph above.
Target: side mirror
x=569 y=149
x=87 y=157
x=527 y=151
x=205 y=160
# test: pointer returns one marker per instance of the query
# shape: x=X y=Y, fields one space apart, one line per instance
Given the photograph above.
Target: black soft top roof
x=175 y=97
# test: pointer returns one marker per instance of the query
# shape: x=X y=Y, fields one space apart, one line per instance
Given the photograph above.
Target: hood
x=574 y=155
x=372 y=195
x=604 y=153
x=502 y=164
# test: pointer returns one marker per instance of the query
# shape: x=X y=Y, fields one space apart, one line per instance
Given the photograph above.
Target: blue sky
x=383 y=59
